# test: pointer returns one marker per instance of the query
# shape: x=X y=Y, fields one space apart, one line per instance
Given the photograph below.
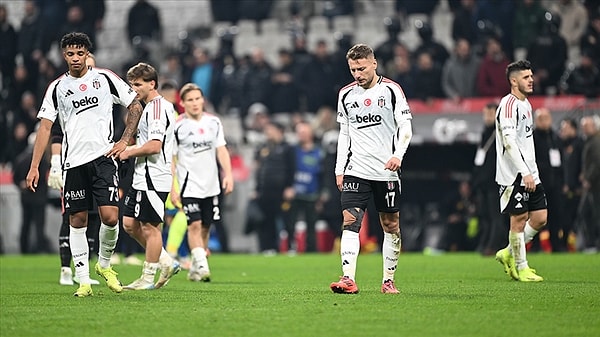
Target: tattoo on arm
x=134 y=113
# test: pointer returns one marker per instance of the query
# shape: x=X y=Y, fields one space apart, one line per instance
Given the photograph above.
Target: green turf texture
x=252 y=295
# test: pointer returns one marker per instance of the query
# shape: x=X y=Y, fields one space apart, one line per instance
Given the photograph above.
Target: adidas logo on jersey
x=353 y=105
x=69 y=93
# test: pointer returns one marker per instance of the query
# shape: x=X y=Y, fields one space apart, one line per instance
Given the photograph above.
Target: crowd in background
x=561 y=38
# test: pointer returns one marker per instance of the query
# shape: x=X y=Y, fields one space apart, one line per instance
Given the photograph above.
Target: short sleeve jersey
x=153 y=172
x=372 y=116
x=514 y=120
x=197 y=143
x=84 y=107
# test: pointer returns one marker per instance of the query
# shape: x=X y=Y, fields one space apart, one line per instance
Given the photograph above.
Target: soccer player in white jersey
x=375 y=131
x=144 y=204
x=200 y=145
x=82 y=100
x=522 y=195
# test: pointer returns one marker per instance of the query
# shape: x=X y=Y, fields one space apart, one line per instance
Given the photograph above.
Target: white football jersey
x=514 y=121
x=197 y=143
x=153 y=173
x=373 y=116
x=84 y=107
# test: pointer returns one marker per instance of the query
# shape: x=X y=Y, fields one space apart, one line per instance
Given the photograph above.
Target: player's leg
x=516 y=239
x=511 y=203
x=106 y=194
x=210 y=215
x=538 y=216
x=77 y=202
x=148 y=210
x=131 y=210
x=533 y=228
x=153 y=244
x=354 y=199
x=203 y=268
x=92 y=237
x=64 y=250
x=387 y=201
x=80 y=251
x=199 y=213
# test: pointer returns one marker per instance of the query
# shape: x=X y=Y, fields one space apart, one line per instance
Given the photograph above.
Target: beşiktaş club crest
x=96 y=84
x=381 y=101
x=390 y=185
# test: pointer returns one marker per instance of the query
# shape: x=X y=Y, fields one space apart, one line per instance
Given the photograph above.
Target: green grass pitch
x=252 y=295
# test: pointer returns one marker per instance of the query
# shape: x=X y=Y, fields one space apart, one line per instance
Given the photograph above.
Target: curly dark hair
x=76 y=39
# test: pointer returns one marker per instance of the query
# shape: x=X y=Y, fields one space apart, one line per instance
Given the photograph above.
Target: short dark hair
x=572 y=122
x=76 y=39
x=359 y=51
x=277 y=125
x=168 y=85
x=517 y=66
x=144 y=71
x=491 y=105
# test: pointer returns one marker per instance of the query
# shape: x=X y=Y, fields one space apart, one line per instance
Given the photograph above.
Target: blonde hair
x=360 y=51
x=186 y=88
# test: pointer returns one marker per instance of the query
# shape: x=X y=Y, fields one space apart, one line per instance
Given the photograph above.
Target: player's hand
x=393 y=164
x=175 y=198
x=339 y=181
x=124 y=155
x=118 y=147
x=32 y=179
x=227 y=184
x=529 y=183
x=55 y=180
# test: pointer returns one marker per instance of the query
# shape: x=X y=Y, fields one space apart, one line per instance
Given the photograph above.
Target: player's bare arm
x=134 y=113
x=151 y=147
x=174 y=195
x=41 y=141
x=225 y=161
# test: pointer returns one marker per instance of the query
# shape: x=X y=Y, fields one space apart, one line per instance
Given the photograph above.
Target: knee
x=129 y=227
x=194 y=227
x=538 y=223
x=110 y=220
x=109 y=215
x=78 y=220
x=149 y=230
x=352 y=219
